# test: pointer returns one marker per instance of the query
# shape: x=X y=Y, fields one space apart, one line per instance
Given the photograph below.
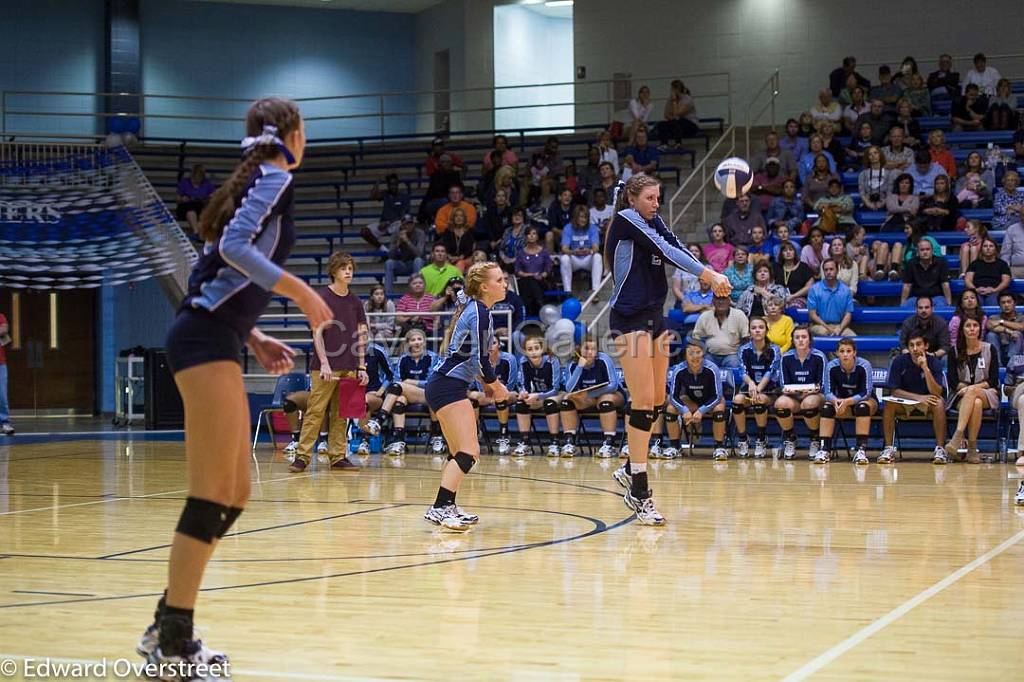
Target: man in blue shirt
x=580 y=249
x=924 y=171
x=917 y=376
x=641 y=157
x=830 y=304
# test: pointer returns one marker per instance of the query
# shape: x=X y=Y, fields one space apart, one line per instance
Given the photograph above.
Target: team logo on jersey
x=655 y=260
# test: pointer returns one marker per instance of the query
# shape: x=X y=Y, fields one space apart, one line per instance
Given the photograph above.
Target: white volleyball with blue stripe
x=733 y=177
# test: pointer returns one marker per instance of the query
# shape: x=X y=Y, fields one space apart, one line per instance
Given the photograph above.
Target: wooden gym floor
x=767 y=570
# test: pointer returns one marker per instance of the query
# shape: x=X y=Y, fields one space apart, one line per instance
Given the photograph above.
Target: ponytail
x=476 y=275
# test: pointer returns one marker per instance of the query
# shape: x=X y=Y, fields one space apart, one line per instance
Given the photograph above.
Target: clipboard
x=899 y=401
x=800 y=388
x=587 y=390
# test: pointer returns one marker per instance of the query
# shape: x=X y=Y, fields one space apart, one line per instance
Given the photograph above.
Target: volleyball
x=733 y=177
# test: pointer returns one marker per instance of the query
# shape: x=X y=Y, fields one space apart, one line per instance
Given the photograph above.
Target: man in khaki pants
x=340 y=353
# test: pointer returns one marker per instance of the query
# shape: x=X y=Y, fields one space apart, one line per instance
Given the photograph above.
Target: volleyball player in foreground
x=636 y=250
x=249 y=232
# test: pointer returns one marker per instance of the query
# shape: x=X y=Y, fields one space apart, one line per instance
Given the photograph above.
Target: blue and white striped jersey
x=466 y=356
x=602 y=370
x=856 y=384
x=545 y=380
x=704 y=388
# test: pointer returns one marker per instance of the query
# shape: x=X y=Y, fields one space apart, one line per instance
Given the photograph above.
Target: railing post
x=381 y=99
x=3 y=107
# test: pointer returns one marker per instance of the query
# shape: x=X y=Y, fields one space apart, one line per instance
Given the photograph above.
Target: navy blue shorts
x=648 y=320
x=198 y=337
x=443 y=390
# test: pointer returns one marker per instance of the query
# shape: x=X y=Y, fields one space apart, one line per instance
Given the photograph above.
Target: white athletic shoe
x=813 y=449
x=321 y=452
x=760 y=449
x=373 y=427
x=448 y=518
x=606 y=450
x=788 y=449
x=436 y=445
x=150 y=641
x=623 y=477
x=569 y=450
x=504 y=444
x=720 y=454
x=291 y=448
x=670 y=453
x=742 y=449
x=554 y=450
x=654 y=451
x=888 y=455
x=396 y=449
x=471 y=519
x=646 y=514
x=821 y=457
x=624 y=451
x=940 y=456
x=363 y=448
x=1019 y=499
x=860 y=457
x=521 y=449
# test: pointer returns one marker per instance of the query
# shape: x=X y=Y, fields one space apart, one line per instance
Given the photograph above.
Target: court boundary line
x=873 y=628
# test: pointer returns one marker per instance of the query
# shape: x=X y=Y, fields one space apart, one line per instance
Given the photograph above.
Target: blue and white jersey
x=507 y=371
x=602 y=370
x=757 y=365
x=545 y=380
x=418 y=369
x=378 y=367
x=637 y=251
x=234 y=276
x=703 y=388
x=855 y=384
x=809 y=371
x=466 y=355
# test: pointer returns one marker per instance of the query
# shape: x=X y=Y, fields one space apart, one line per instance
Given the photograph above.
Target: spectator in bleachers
x=925 y=323
x=540 y=182
x=455 y=201
x=695 y=302
x=924 y=172
x=853 y=158
x=837 y=79
x=967 y=308
x=438 y=271
x=1005 y=329
x=845 y=96
x=682 y=281
x=640 y=157
x=825 y=108
x=754 y=298
x=849 y=391
x=898 y=156
x=915 y=375
x=581 y=249
x=394 y=205
x=722 y=329
x=382 y=326
x=974 y=164
x=504 y=181
x=601 y=212
x=768 y=184
x=794 y=274
x=805 y=166
x=972 y=192
x=760 y=249
x=903 y=252
x=492 y=225
x=939 y=212
x=829 y=142
x=506 y=155
x=434 y=159
x=485 y=186
x=919 y=97
x=886 y=90
x=847 y=270
x=969 y=111
x=459 y=242
x=417 y=300
x=816 y=181
x=740 y=273
x=1018 y=146
x=879 y=121
x=902 y=204
x=408 y=249
x=590 y=175
x=607 y=151
x=718 y=251
x=873 y=183
x=973 y=373
x=906 y=122
x=787 y=209
x=552 y=157
x=988 y=274
x=571 y=181
x=857 y=251
x=680 y=120
x=835 y=209
x=982 y=75
x=532 y=268
x=805 y=125
x=438 y=189
x=193 y=194
x=926 y=275
x=559 y=214
x=908 y=69
x=830 y=304
x=780 y=325
x=792 y=141
x=739 y=223
x=448 y=300
x=970 y=250
x=852 y=112
x=640 y=109
x=940 y=154
x=513 y=240
x=608 y=178
x=944 y=81
x=1002 y=108
x=1007 y=203
x=773 y=149
x=780 y=237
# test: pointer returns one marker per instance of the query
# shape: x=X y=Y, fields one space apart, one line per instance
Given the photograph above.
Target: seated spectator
x=915 y=375
x=455 y=201
x=792 y=142
x=825 y=108
x=722 y=329
x=559 y=214
x=983 y=76
x=606 y=150
x=640 y=157
x=806 y=164
x=924 y=171
x=940 y=154
x=787 y=209
x=795 y=275
x=972 y=192
x=873 y=183
x=193 y=194
x=903 y=252
x=768 y=184
x=532 y=268
x=929 y=326
x=780 y=325
x=858 y=252
x=754 y=298
x=740 y=273
x=1005 y=329
x=967 y=307
x=581 y=250
x=907 y=69
x=507 y=156
x=859 y=144
x=902 y=204
x=939 y=212
x=505 y=180
x=973 y=375
x=926 y=276
x=640 y=109
x=847 y=269
x=815 y=250
x=944 y=81
x=439 y=189
x=492 y=225
x=1007 y=203
x=590 y=175
x=697 y=301
x=846 y=94
x=918 y=95
x=607 y=178
x=830 y=304
x=571 y=182
x=541 y=182
x=739 y=223
x=680 y=116
x=552 y=158
x=805 y=125
x=829 y=142
x=852 y=112
x=447 y=300
x=816 y=182
x=718 y=251
x=969 y=111
x=513 y=239
x=772 y=149
x=760 y=249
x=601 y=212
x=906 y=122
x=682 y=281
x=395 y=205
x=1002 y=108
x=438 y=271
x=975 y=164
x=898 y=156
x=380 y=314
x=408 y=249
x=988 y=275
x=879 y=121
x=1018 y=148
x=437 y=150
x=458 y=241
x=835 y=209
x=886 y=90
x=970 y=250
x=780 y=237
x=837 y=78
x=417 y=300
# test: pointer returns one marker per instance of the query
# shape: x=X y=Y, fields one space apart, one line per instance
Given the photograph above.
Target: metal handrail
x=774 y=84
x=674 y=215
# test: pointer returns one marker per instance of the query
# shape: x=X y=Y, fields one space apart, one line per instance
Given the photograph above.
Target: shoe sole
x=643 y=522
x=445 y=528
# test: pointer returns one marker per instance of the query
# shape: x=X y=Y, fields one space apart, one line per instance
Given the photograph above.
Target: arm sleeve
x=673 y=253
x=574 y=378
x=237 y=243
x=384 y=362
x=556 y=372
x=513 y=373
x=673 y=391
x=868 y=389
x=716 y=396
x=612 y=378
x=482 y=341
x=826 y=387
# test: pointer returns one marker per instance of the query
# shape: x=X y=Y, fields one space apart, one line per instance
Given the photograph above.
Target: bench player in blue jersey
x=761 y=361
x=848 y=389
x=506 y=367
x=802 y=374
x=540 y=384
x=592 y=382
x=412 y=371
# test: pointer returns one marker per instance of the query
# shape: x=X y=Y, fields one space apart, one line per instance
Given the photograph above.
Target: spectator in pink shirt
x=416 y=301
x=508 y=157
x=718 y=251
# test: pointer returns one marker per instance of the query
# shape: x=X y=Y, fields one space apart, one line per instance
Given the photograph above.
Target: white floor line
x=898 y=612
x=14 y=439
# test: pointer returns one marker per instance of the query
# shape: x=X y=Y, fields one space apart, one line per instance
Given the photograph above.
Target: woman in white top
x=640 y=110
x=606 y=147
x=849 y=272
x=873 y=181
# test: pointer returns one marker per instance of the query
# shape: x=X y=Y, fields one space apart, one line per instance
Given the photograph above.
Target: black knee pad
x=671 y=418
x=394 y=389
x=465 y=461
x=567 y=406
x=522 y=408
x=810 y=413
x=605 y=406
x=202 y=519
x=748 y=410
x=658 y=411
x=231 y=517
x=289 y=406
x=399 y=408
x=641 y=419
x=862 y=409
x=501 y=405
x=718 y=416
x=828 y=411
x=551 y=406
x=760 y=409
x=783 y=413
